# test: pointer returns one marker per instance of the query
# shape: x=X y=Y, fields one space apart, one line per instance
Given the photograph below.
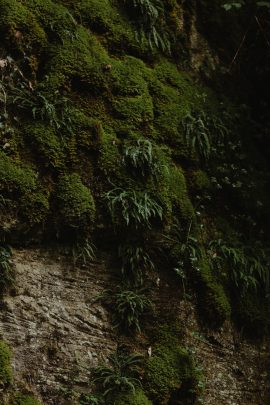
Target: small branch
x=239 y=48
x=262 y=30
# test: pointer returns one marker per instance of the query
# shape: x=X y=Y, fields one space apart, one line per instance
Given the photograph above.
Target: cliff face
x=59 y=332
x=130 y=141
x=55 y=328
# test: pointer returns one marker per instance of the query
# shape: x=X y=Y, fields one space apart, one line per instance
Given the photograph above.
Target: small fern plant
x=135 y=208
x=128 y=305
x=247 y=269
x=121 y=376
x=56 y=111
x=83 y=252
x=201 y=130
x=148 y=16
x=136 y=262
x=140 y=157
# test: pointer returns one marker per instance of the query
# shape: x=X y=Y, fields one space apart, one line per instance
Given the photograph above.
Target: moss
x=15 y=180
x=214 y=304
x=19 y=184
x=137 y=110
x=54 y=18
x=46 y=145
x=136 y=398
x=128 y=77
x=5 y=368
x=132 y=101
x=87 y=129
x=171 y=190
x=104 y=17
x=181 y=203
x=21 y=399
x=174 y=95
x=97 y=14
x=35 y=207
x=20 y=27
x=199 y=181
x=75 y=202
x=110 y=159
x=169 y=368
x=81 y=60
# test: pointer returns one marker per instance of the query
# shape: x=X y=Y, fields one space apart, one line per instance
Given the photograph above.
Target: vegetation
x=121 y=376
x=133 y=398
x=170 y=367
x=246 y=269
x=75 y=202
x=5 y=367
x=140 y=157
x=6 y=271
x=128 y=306
x=201 y=131
x=135 y=262
x=135 y=208
x=21 y=399
x=105 y=137
x=149 y=16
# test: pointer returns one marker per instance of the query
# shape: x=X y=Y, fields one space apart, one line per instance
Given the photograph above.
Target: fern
x=135 y=262
x=246 y=269
x=201 y=130
x=140 y=157
x=55 y=111
x=121 y=376
x=136 y=208
x=149 y=20
x=83 y=252
x=128 y=306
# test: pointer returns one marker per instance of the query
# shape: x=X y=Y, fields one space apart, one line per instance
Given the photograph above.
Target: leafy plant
x=137 y=208
x=200 y=130
x=6 y=271
x=135 y=262
x=56 y=111
x=129 y=305
x=83 y=252
x=246 y=269
x=17 y=90
x=140 y=157
x=11 y=78
x=91 y=399
x=121 y=376
x=149 y=18
x=241 y=3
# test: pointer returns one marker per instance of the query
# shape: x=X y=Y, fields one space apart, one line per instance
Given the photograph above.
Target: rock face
x=56 y=331
x=235 y=371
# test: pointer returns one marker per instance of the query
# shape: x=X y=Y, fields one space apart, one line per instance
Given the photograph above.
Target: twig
x=239 y=48
x=262 y=30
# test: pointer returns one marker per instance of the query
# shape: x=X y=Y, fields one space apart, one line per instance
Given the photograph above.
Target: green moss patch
x=75 y=202
x=5 y=367
x=134 y=398
x=169 y=369
x=20 y=27
x=214 y=304
x=46 y=145
x=21 y=399
x=19 y=185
